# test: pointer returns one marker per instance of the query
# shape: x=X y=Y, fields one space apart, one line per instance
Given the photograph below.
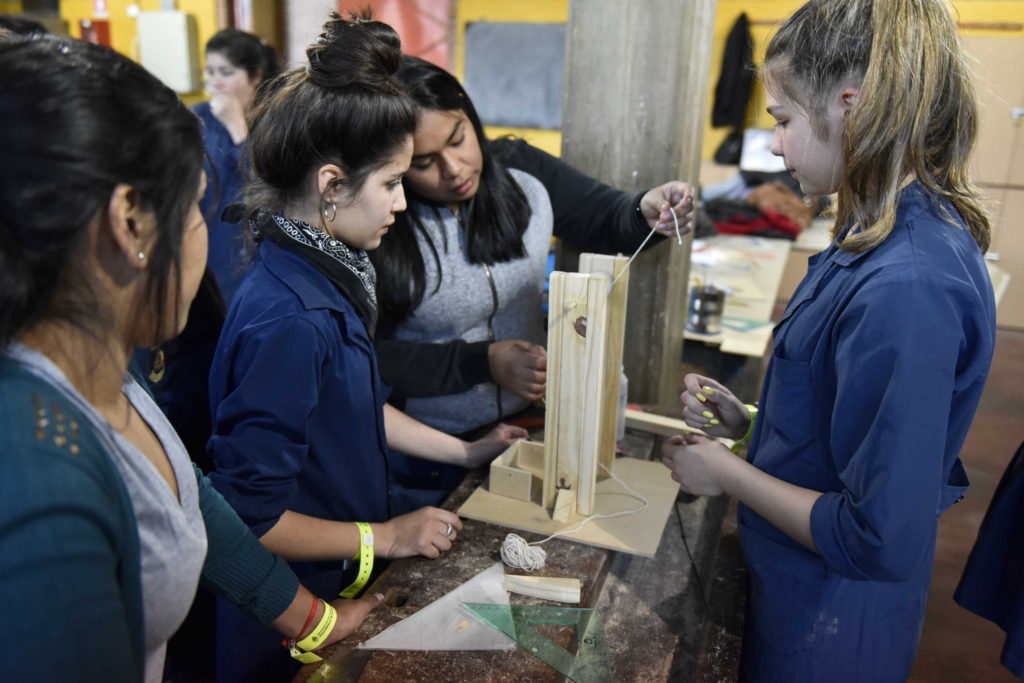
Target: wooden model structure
x=586 y=326
x=548 y=487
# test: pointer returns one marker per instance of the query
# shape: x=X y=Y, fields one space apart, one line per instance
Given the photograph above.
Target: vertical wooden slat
x=575 y=385
x=590 y=390
x=611 y=266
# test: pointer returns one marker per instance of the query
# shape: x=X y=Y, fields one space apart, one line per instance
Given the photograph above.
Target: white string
x=624 y=270
x=679 y=239
x=516 y=552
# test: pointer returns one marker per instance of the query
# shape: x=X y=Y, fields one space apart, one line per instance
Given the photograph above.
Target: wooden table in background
x=752 y=268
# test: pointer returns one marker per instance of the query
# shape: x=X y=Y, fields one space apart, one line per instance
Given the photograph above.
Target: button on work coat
x=877 y=369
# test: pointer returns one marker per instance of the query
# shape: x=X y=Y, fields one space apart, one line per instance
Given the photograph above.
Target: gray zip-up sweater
x=461 y=307
x=584 y=212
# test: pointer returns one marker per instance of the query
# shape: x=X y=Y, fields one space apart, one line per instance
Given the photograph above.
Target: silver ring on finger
x=448 y=530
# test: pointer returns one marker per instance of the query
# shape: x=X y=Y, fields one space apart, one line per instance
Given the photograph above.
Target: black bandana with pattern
x=348 y=269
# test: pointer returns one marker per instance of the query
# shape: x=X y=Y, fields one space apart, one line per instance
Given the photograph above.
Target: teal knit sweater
x=69 y=549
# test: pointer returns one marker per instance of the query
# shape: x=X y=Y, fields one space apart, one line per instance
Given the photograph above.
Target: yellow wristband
x=365 y=560
x=316 y=638
x=750 y=430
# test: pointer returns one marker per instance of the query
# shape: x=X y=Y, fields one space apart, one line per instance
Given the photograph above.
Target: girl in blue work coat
x=236 y=64
x=300 y=424
x=880 y=358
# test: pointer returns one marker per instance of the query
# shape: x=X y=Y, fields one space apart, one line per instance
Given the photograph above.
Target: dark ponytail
x=345 y=108
x=495 y=218
x=76 y=120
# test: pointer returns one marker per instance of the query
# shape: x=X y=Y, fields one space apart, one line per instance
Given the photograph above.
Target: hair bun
x=361 y=52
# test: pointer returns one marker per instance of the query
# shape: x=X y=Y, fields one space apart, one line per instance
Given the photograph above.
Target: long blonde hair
x=916 y=111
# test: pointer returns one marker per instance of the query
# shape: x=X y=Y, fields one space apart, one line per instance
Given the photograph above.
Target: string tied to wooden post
x=679 y=240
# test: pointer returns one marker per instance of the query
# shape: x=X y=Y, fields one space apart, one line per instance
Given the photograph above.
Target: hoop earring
x=334 y=212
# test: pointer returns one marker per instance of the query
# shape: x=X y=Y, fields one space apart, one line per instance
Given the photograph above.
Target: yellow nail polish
x=712 y=421
x=708 y=413
x=701 y=398
x=709 y=391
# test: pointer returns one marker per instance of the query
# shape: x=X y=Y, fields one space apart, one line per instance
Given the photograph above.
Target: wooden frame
x=586 y=323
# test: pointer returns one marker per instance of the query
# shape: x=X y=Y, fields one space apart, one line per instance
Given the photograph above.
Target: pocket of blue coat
x=789 y=407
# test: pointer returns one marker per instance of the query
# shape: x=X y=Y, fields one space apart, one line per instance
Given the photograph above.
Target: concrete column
x=636 y=90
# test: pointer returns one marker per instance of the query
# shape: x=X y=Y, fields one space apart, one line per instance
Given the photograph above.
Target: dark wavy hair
x=246 y=51
x=345 y=108
x=76 y=120
x=495 y=218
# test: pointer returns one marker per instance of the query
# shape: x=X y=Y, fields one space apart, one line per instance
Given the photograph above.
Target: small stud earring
x=142 y=256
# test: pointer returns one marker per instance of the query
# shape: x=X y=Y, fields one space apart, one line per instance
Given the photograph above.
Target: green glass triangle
x=589 y=664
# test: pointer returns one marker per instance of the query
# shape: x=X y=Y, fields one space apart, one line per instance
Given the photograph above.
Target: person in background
x=880 y=358
x=237 y=63
x=992 y=585
x=106 y=528
x=461 y=329
x=300 y=424
x=178 y=370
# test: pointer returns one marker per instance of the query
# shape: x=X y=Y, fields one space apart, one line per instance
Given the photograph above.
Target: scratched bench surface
x=411 y=584
x=652 y=607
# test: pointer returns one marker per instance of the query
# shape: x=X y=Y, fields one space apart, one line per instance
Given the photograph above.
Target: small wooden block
x=545 y=587
x=662 y=426
x=516 y=472
x=511 y=482
x=565 y=505
x=657 y=424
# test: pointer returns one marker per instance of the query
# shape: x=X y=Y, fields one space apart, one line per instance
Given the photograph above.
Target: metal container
x=706 y=306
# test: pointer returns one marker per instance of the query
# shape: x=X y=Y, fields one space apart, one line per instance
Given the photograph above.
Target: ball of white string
x=516 y=552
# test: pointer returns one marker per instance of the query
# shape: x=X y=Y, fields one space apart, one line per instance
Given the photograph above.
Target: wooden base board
x=637 y=534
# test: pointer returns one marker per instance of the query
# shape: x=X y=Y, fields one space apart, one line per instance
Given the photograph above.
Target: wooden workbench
x=653 y=608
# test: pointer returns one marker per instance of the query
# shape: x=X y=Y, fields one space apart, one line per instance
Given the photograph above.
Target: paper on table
x=446 y=625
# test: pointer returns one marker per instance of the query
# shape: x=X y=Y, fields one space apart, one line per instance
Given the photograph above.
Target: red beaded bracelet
x=309 y=620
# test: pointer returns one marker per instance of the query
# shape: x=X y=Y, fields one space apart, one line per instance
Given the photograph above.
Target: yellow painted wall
x=970 y=11
x=123 y=34
x=10 y=7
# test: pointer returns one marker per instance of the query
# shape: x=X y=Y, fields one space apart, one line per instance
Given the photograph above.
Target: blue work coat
x=298 y=424
x=993 y=582
x=878 y=365
x=228 y=242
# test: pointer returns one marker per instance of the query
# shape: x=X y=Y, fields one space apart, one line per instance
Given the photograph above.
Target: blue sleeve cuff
x=825 y=535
